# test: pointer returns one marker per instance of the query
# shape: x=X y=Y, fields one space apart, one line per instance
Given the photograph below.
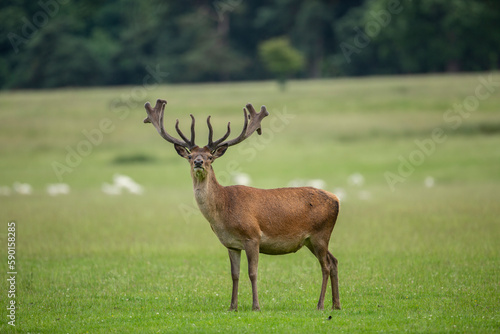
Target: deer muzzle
x=198 y=164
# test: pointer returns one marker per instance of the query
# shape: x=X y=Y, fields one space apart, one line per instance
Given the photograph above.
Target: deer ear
x=219 y=151
x=181 y=150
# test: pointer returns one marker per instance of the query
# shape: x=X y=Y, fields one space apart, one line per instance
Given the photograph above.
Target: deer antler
x=255 y=120
x=155 y=116
x=211 y=132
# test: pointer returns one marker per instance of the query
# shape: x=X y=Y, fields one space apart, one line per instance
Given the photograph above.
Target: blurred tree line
x=54 y=43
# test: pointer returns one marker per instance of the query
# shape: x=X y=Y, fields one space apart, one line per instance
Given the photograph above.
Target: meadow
x=417 y=237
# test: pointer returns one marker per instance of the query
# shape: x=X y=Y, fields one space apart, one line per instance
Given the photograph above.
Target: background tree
x=424 y=36
x=281 y=58
x=52 y=43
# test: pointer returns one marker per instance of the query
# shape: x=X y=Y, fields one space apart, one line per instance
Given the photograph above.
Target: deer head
x=201 y=159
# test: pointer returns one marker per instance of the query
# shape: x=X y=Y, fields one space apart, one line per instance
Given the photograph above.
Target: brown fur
x=273 y=221
x=269 y=221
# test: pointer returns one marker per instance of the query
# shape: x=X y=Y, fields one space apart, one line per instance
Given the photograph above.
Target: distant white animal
x=297 y=183
x=22 y=188
x=58 y=189
x=120 y=183
x=340 y=192
x=126 y=182
x=356 y=179
x=315 y=183
x=429 y=182
x=242 y=179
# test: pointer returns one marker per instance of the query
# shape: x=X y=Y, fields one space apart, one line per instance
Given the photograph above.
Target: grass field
x=412 y=258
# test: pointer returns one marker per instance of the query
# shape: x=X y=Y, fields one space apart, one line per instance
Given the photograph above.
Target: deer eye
x=210 y=158
x=189 y=157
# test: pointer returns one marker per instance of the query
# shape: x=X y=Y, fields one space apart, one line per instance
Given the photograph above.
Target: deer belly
x=275 y=246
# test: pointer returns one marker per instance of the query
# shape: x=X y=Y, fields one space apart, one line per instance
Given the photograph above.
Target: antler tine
x=242 y=135
x=255 y=120
x=192 y=129
x=189 y=142
x=155 y=116
x=210 y=132
x=211 y=144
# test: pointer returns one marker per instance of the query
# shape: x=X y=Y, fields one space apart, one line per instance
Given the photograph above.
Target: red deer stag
x=269 y=221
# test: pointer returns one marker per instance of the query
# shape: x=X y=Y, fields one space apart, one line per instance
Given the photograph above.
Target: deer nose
x=198 y=162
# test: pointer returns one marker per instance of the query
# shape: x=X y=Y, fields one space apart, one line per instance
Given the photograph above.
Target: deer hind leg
x=252 y=251
x=335 y=281
x=321 y=252
x=234 y=257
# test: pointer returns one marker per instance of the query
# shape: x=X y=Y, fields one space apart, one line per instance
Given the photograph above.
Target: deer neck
x=209 y=194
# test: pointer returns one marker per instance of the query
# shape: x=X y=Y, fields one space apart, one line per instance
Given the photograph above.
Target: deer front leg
x=252 y=251
x=234 y=257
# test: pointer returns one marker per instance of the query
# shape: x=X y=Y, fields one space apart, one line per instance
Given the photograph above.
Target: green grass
x=415 y=259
